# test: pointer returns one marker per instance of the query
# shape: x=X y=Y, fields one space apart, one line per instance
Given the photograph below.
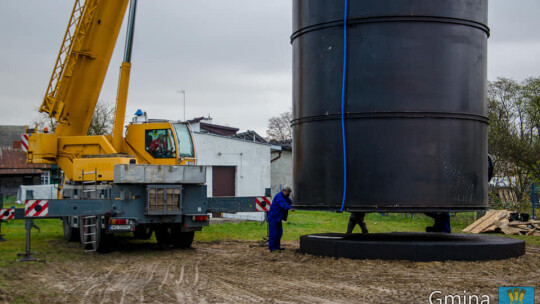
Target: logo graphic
x=516 y=295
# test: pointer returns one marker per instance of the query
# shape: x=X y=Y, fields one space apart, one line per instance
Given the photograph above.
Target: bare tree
x=279 y=127
x=102 y=120
x=43 y=120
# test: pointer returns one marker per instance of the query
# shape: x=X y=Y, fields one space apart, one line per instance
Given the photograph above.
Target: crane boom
x=82 y=64
x=72 y=95
x=142 y=182
x=123 y=83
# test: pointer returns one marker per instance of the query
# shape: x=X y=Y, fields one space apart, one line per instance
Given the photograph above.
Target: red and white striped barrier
x=24 y=142
x=263 y=203
x=36 y=208
x=7 y=214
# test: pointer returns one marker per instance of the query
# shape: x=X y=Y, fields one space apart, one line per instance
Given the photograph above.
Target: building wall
x=252 y=161
x=9 y=184
x=9 y=134
x=282 y=171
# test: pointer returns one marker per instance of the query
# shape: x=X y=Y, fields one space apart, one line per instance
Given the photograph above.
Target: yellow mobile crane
x=144 y=182
x=72 y=95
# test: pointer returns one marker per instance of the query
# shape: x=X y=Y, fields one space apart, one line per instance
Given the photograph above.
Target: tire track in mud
x=180 y=296
x=74 y=277
x=70 y=279
x=100 y=281
x=196 y=279
x=238 y=284
x=165 y=276
x=128 y=284
x=148 y=280
x=135 y=288
x=184 y=289
x=228 y=292
x=95 y=281
x=122 y=279
x=181 y=277
x=233 y=272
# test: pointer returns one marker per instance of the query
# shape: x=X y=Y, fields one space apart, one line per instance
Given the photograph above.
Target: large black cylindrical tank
x=415 y=111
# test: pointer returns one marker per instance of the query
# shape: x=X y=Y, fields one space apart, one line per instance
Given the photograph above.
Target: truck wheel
x=168 y=236
x=163 y=236
x=183 y=240
x=142 y=232
x=71 y=234
x=104 y=243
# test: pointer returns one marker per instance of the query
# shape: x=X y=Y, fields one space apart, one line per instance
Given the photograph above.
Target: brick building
x=14 y=171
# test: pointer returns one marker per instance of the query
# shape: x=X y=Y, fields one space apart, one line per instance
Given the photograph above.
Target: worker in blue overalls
x=281 y=204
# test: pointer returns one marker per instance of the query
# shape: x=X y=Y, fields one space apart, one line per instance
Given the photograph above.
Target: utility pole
x=183 y=92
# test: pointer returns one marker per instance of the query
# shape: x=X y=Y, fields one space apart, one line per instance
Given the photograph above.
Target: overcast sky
x=232 y=57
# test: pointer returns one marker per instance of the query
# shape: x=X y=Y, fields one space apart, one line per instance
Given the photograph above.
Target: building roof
x=20 y=171
x=250 y=135
x=284 y=144
x=196 y=120
x=212 y=128
x=13 y=161
x=9 y=134
x=217 y=129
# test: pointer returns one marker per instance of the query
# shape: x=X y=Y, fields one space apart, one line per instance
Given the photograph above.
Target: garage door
x=223 y=181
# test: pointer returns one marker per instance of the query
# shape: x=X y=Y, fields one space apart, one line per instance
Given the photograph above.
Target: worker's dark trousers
x=357 y=218
x=442 y=222
x=275 y=231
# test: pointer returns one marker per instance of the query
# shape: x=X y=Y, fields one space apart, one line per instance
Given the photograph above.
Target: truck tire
x=163 y=236
x=171 y=235
x=183 y=240
x=71 y=234
x=105 y=241
x=143 y=232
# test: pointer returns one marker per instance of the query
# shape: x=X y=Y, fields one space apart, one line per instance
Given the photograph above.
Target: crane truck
x=116 y=183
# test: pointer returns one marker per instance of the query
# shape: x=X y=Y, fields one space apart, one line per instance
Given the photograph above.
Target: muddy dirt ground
x=242 y=272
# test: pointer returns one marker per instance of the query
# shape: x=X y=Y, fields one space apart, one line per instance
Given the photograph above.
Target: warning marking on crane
x=7 y=214
x=263 y=203
x=36 y=208
x=24 y=142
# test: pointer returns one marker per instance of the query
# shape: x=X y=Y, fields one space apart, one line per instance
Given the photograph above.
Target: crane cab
x=161 y=143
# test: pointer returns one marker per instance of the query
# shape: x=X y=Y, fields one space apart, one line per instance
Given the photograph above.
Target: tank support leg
x=28 y=255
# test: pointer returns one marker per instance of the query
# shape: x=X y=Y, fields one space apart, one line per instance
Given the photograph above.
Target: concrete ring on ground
x=414 y=246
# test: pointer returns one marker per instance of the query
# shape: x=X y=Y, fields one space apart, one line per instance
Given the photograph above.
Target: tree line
x=513 y=136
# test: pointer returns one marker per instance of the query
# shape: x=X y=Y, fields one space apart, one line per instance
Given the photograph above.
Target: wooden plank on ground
x=489 y=220
x=509 y=230
x=488 y=214
x=531 y=232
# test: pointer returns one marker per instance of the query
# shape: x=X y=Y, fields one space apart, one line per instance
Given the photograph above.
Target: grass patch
x=50 y=244
x=529 y=239
x=306 y=222
x=10 y=201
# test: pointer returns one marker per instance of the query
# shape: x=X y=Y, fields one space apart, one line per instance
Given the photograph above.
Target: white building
x=236 y=165
x=281 y=166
